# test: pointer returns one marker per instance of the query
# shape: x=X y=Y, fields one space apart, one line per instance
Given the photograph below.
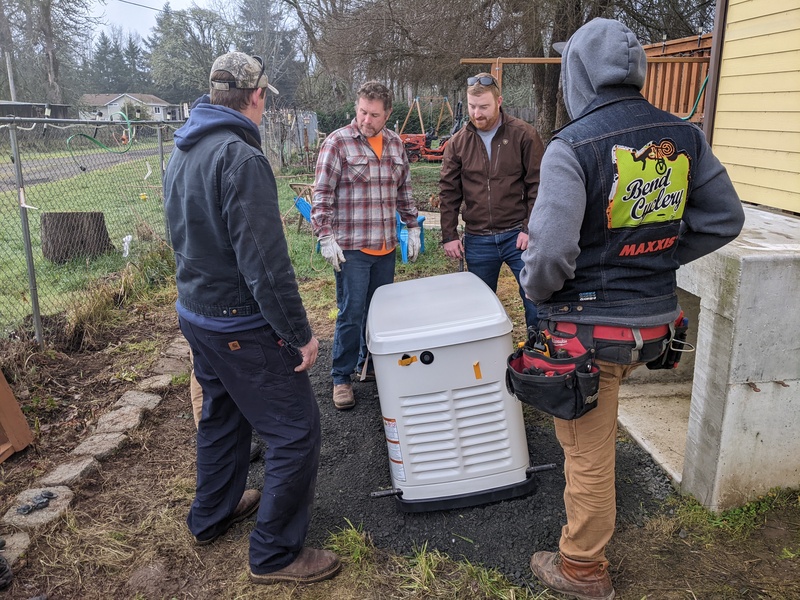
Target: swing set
x=418 y=145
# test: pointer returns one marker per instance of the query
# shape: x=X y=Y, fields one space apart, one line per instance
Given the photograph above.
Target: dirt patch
x=125 y=535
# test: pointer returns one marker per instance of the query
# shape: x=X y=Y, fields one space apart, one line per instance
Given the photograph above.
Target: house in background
x=34 y=110
x=110 y=104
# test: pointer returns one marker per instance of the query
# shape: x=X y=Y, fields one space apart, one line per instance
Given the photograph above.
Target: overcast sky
x=137 y=15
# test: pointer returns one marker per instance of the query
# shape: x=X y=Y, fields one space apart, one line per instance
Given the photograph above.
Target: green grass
x=114 y=191
x=738 y=522
x=425 y=573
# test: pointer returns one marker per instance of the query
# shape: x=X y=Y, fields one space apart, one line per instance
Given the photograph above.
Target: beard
x=368 y=130
x=486 y=123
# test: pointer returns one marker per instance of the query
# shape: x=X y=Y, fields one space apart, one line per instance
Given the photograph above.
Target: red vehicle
x=419 y=145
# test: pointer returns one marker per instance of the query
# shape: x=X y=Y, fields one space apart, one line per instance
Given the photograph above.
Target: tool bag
x=677 y=345
x=555 y=375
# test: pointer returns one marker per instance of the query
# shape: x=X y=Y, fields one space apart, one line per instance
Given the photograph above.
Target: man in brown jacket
x=490 y=172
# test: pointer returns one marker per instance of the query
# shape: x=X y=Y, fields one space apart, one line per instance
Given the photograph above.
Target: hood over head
x=603 y=53
x=205 y=117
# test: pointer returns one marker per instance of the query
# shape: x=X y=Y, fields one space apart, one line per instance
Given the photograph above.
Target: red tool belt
x=562 y=382
x=617 y=344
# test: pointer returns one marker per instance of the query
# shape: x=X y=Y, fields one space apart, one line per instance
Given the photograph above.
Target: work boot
x=310 y=566
x=343 y=396
x=246 y=507
x=582 y=580
x=6 y=575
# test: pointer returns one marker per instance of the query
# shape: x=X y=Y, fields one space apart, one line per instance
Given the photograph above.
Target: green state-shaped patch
x=650 y=185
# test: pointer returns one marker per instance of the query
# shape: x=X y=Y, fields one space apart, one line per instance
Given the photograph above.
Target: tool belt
x=555 y=372
x=616 y=344
x=563 y=383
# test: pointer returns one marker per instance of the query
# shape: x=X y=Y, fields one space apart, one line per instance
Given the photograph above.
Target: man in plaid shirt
x=362 y=178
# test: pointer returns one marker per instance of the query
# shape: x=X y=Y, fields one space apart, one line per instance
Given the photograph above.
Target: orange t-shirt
x=376 y=142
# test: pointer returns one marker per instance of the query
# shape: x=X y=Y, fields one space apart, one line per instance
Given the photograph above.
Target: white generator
x=455 y=435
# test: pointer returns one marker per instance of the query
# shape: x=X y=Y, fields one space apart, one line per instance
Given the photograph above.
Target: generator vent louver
x=456 y=432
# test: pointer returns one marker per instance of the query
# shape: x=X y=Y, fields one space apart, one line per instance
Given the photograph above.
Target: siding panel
x=757 y=120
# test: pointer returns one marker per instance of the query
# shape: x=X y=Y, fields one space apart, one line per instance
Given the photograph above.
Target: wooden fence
x=676 y=73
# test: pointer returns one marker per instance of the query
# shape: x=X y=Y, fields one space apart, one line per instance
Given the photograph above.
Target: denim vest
x=638 y=163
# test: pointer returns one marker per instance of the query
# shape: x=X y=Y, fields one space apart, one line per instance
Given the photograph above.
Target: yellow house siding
x=757 y=121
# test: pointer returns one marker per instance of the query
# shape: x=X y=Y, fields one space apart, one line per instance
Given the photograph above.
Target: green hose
x=697 y=101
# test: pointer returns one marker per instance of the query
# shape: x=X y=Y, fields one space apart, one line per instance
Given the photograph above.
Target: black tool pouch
x=671 y=356
x=566 y=388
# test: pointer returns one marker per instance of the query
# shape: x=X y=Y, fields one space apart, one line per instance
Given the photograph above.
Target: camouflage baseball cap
x=248 y=72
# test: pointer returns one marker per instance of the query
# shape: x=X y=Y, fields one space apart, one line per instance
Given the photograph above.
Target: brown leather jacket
x=497 y=197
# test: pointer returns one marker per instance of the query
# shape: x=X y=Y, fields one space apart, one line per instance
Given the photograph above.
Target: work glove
x=331 y=252
x=413 y=243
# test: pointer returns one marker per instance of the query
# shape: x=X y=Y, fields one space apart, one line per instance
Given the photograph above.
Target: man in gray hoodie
x=628 y=194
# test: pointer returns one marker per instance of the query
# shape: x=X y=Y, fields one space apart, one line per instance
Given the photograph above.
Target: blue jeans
x=485 y=254
x=249 y=382
x=360 y=276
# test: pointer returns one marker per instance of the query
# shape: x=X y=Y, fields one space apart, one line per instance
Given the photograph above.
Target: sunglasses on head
x=483 y=80
x=260 y=61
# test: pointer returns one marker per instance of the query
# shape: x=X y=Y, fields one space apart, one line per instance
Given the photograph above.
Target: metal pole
x=163 y=170
x=26 y=237
x=11 y=88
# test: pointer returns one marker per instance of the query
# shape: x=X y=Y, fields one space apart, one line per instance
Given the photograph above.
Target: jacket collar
x=610 y=96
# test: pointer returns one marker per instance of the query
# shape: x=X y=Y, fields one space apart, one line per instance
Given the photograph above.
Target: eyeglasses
x=232 y=84
x=484 y=80
x=260 y=61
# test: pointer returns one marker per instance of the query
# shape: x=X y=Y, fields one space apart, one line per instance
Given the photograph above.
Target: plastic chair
x=303 y=206
x=402 y=235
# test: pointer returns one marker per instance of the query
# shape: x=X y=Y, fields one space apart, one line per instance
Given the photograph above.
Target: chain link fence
x=78 y=201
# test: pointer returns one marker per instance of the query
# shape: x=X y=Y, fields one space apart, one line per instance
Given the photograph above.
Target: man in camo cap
x=240 y=309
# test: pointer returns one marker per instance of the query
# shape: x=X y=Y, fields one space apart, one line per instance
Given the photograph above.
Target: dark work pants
x=356 y=283
x=485 y=255
x=248 y=381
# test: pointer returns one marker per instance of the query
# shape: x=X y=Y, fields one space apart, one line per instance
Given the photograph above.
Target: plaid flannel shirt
x=356 y=194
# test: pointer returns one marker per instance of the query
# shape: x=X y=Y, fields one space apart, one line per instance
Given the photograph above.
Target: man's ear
x=258 y=93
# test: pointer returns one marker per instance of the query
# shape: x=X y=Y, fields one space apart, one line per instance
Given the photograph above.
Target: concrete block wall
x=744 y=422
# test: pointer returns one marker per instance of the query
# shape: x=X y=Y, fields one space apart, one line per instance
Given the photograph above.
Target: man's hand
x=522 y=241
x=454 y=249
x=331 y=252
x=413 y=243
x=309 y=354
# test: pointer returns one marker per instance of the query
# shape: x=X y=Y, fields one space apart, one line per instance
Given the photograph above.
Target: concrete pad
x=40 y=517
x=100 y=445
x=156 y=383
x=138 y=399
x=122 y=419
x=656 y=416
x=17 y=544
x=71 y=472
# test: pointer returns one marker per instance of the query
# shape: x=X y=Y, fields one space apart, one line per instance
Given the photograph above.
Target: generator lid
x=432 y=312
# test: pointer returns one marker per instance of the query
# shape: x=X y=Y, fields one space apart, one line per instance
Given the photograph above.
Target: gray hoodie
x=601 y=55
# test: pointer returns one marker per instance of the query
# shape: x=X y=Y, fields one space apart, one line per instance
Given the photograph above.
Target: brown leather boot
x=310 y=566
x=582 y=580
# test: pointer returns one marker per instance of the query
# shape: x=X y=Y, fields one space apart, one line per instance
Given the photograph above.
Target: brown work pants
x=196 y=393
x=589 y=461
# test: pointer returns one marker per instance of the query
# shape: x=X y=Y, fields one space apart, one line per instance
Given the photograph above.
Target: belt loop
x=637 y=337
